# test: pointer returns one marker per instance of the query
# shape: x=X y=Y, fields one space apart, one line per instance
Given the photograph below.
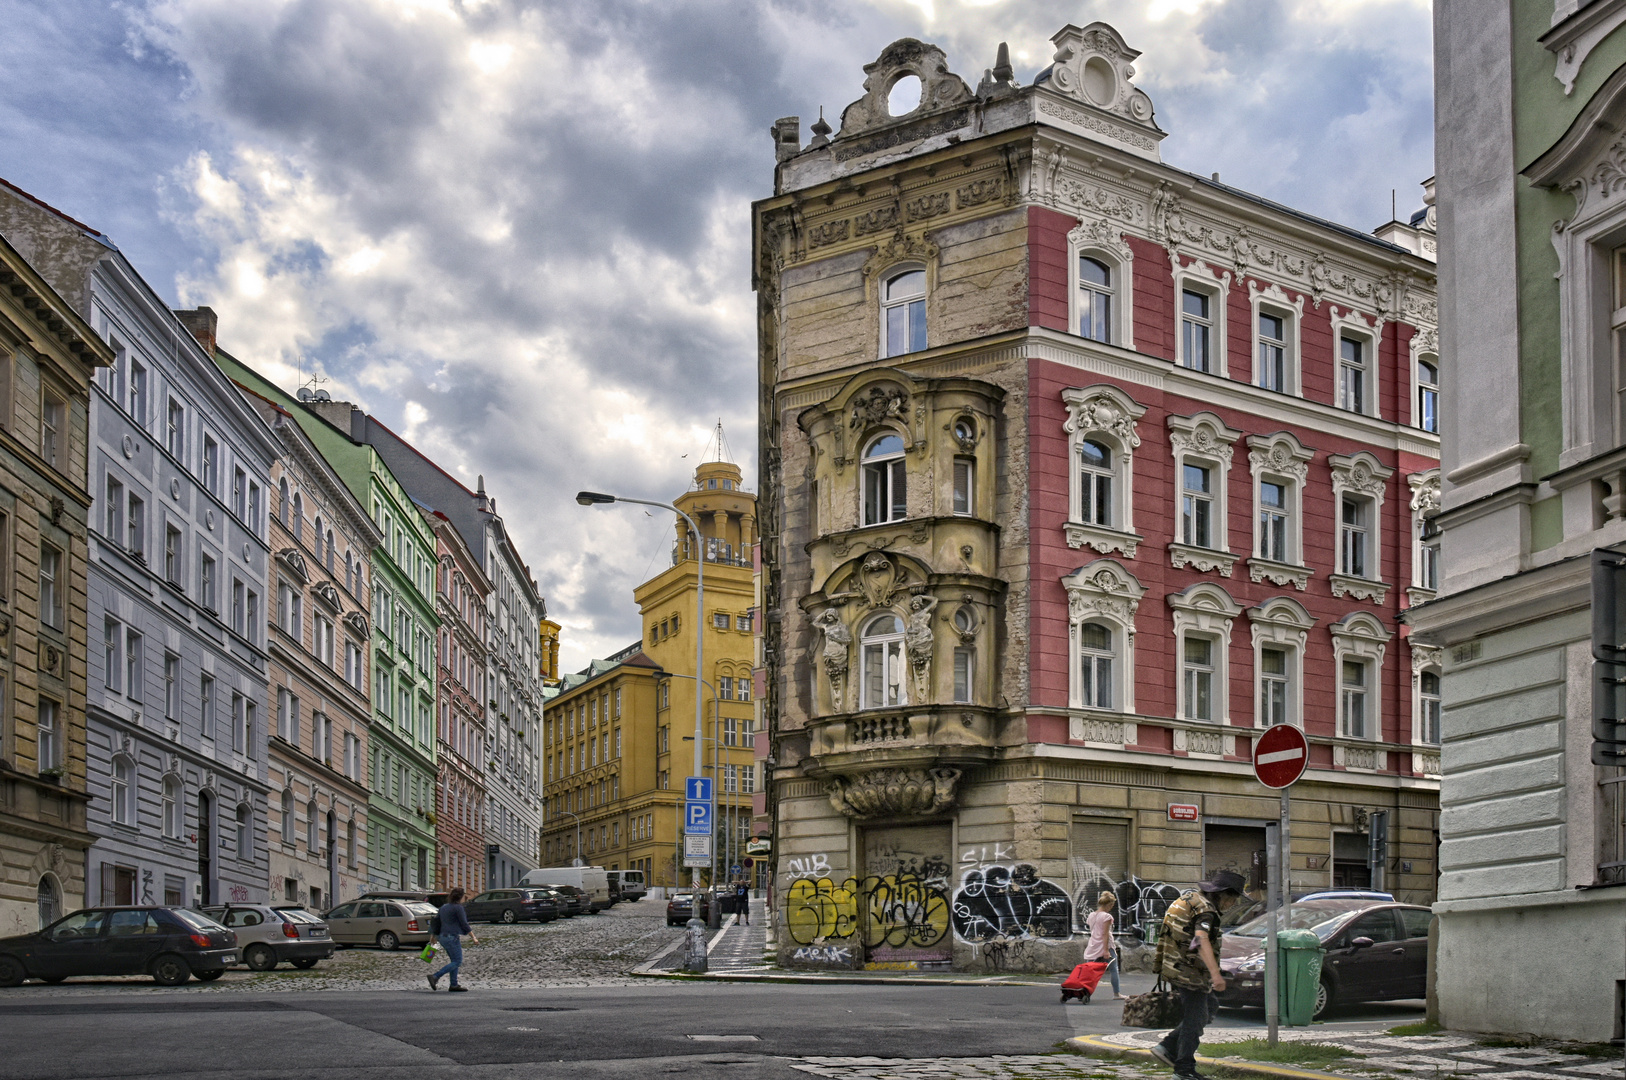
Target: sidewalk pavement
x=1444 y=1054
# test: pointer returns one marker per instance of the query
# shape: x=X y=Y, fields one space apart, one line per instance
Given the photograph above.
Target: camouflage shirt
x=1179 y=961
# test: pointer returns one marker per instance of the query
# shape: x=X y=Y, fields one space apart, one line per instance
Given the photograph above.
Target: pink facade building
x=1079 y=470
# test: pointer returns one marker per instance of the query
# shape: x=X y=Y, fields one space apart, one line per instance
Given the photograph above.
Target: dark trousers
x=1198 y=1007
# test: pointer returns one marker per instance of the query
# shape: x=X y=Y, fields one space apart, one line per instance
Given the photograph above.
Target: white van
x=589 y=879
x=631 y=883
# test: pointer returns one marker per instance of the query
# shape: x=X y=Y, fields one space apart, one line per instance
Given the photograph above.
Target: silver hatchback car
x=269 y=935
x=389 y=924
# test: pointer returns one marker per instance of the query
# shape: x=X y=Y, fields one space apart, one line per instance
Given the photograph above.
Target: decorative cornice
x=1202 y=559
x=1279 y=573
x=1358 y=588
x=1101 y=539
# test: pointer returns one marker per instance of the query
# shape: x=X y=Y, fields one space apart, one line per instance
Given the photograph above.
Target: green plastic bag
x=428 y=954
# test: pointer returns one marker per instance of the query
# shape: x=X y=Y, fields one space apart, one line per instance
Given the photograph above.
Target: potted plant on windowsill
x=53 y=775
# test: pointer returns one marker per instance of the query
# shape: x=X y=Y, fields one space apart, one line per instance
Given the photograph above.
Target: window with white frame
x=1273 y=519
x=122 y=791
x=965 y=481
x=287 y=816
x=885 y=486
x=1096 y=656
x=1281 y=629
x=175 y=429
x=1101 y=429
x=1203 y=615
x=245 y=833
x=1095 y=293
x=1202 y=456
x=903 y=312
x=1196 y=330
x=1272 y=352
x=113 y=526
x=1428 y=395
x=1357 y=342
x=965 y=666
x=1358 y=485
x=1359 y=641
x=1102 y=599
x=170 y=807
x=1425 y=506
x=881 y=663
x=1428 y=707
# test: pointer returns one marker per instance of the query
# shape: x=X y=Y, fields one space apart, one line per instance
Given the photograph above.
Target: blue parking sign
x=697 y=806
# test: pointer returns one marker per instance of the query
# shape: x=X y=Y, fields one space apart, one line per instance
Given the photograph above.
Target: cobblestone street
x=588 y=950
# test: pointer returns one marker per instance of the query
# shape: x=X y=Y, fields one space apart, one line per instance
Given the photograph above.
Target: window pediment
x=1281 y=454
x=1203 y=433
x=295 y=562
x=1282 y=620
x=1104 y=409
x=328 y=595
x=356 y=621
x=1362 y=474
x=1103 y=587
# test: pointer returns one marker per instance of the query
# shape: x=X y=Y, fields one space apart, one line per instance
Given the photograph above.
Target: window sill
x=1102 y=539
x=1279 y=573
x=1359 y=588
x=1201 y=559
x=1417 y=595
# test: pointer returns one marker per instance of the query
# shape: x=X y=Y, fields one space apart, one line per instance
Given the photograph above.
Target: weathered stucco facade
x=1016 y=425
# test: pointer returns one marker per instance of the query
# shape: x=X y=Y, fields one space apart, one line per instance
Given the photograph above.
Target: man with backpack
x=1188 y=958
x=449 y=924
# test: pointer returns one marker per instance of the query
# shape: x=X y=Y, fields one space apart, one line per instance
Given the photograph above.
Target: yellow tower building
x=726 y=516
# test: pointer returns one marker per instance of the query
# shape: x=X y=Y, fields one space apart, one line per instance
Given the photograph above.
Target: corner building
x=1078 y=471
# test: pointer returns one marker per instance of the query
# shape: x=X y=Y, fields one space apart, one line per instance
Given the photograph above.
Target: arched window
x=171 y=802
x=312 y=830
x=903 y=312
x=1095 y=483
x=50 y=901
x=329 y=545
x=885 y=492
x=123 y=790
x=245 y=833
x=1095 y=290
x=282 y=500
x=287 y=816
x=1428 y=396
x=298 y=524
x=882 y=673
x=317 y=540
x=1095 y=657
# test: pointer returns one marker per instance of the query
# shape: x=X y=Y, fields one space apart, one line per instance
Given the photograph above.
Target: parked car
x=565 y=906
x=578 y=901
x=547 y=903
x=680 y=908
x=1250 y=908
x=267 y=936
x=1375 y=951
x=433 y=899
x=389 y=924
x=512 y=905
x=171 y=944
x=591 y=880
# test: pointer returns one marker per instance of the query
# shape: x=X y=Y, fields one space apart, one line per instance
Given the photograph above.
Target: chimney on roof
x=202 y=321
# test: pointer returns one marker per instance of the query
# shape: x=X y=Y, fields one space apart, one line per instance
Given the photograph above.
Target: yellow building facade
x=726 y=517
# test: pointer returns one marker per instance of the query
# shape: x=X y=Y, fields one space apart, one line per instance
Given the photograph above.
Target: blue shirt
x=454 y=920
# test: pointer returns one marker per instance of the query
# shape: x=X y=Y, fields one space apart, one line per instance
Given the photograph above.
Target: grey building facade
x=179 y=472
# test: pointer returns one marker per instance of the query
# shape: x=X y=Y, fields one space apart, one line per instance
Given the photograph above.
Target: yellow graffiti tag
x=818 y=909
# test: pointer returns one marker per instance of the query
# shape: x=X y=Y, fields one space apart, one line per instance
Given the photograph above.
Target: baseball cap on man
x=1224 y=881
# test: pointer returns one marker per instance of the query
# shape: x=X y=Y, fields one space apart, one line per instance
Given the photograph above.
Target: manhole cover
x=539 y=1008
x=725 y=1038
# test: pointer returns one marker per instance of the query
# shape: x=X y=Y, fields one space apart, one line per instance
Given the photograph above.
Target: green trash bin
x=1301 y=955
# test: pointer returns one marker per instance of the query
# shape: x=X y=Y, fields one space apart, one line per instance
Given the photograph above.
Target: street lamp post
x=578 y=820
x=697 y=929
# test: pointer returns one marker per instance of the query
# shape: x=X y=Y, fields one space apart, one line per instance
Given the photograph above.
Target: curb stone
x=1094 y=1046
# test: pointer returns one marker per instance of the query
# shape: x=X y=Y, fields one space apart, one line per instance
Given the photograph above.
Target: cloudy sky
x=519 y=231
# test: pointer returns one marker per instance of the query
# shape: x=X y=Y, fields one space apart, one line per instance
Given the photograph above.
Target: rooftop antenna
x=304 y=384
x=719 y=441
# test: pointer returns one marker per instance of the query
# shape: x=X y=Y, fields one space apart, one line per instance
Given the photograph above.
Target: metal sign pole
x=1284 y=837
x=1273 y=863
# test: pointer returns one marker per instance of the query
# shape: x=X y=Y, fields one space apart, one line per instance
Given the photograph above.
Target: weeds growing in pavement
x=1427 y=1027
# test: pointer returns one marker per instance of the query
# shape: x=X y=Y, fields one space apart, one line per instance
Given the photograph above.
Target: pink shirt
x=1100 y=946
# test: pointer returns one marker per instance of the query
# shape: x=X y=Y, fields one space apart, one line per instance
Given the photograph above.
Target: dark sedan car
x=512 y=905
x=680 y=908
x=169 y=943
x=1375 y=951
x=577 y=902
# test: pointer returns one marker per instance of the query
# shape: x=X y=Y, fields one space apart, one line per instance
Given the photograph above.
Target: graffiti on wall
x=822 y=954
x=898 y=910
x=1010 y=902
x=1141 y=903
x=812 y=866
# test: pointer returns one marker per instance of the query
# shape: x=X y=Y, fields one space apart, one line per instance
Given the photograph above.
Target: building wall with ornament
x=1078 y=471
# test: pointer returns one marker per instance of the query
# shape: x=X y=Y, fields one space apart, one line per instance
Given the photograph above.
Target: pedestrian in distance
x=742 y=901
x=1188 y=958
x=453 y=923
x=1103 y=943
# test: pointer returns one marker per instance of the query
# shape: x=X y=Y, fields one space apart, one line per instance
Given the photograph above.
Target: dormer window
x=1094 y=299
x=903 y=314
x=885 y=491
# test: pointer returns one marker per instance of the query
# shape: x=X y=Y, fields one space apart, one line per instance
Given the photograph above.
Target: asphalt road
x=580 y=1033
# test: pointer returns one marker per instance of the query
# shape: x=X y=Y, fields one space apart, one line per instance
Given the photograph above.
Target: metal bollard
x=695 y=952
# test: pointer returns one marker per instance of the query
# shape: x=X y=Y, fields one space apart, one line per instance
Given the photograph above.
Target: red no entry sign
x=1280 y=756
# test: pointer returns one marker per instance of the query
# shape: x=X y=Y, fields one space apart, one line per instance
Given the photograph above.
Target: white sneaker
x=1158 y=1051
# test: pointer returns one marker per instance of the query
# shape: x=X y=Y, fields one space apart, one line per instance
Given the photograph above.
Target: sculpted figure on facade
x=917 y=641
x=837 y=642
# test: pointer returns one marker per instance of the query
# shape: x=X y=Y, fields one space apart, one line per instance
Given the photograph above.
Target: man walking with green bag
x=1188 y=957
x=454 y=923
